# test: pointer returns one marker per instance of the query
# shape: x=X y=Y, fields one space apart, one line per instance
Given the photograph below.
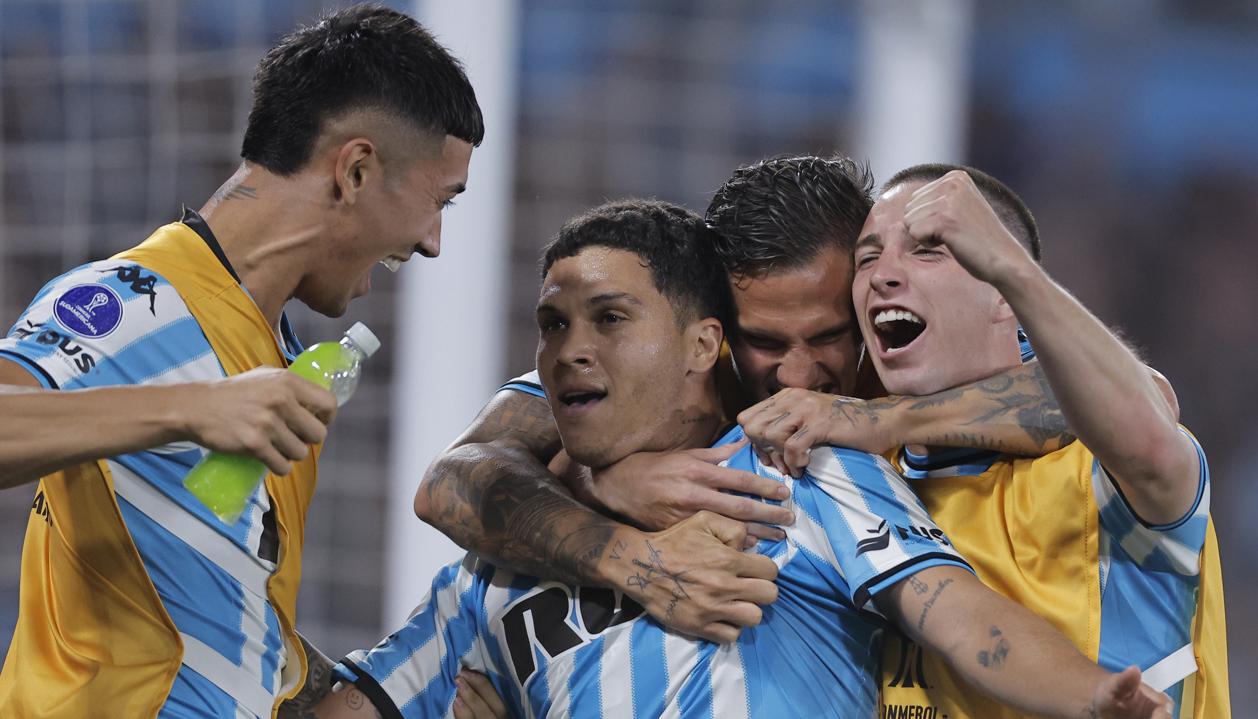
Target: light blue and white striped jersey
x=556 y=651
x=117 y=323
x=1150 y=575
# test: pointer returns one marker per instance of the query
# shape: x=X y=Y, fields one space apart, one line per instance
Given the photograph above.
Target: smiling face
x=796 y=329
x=612 y=357
x=396 y=213
x=929 y=325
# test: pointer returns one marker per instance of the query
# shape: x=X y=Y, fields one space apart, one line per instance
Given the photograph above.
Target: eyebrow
x=613 y=297
x=872 y=238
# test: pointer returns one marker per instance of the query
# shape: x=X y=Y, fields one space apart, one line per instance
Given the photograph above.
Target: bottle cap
x=364 y=338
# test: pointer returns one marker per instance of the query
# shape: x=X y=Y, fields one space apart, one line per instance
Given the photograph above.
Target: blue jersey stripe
x=171 y=346
x=202 y=600
x=695 y=697
x=648 y=670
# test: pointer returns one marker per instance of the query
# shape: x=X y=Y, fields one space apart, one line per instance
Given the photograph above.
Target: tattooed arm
x=318 y=684
x=1012 y=412
x=1008 y=652
x=492 y=493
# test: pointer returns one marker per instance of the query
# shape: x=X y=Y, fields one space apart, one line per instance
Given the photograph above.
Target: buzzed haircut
x=674 y=244
x=362 y=57
x=780 y=213
x=1012 y=211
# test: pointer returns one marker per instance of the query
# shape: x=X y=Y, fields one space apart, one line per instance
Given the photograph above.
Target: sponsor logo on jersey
x=89 y=310
x=65 y=344
x=882 y=536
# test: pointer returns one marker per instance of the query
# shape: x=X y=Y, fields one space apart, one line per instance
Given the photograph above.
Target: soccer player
x=1110 y=537
x=629 y=319
x=786 y=228
x=135 y=600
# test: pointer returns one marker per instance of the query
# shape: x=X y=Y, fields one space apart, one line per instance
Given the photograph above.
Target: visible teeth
x=893 y=315
x=392 y=263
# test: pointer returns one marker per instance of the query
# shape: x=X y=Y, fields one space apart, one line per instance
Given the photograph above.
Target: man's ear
x=703 y=340
x=1001 y=311
x=357 y=162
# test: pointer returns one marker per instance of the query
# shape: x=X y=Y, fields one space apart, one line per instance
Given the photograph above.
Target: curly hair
x=673 y=243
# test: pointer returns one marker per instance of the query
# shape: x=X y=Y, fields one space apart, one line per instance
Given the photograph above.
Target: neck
x=697 y=421
x=1009 y=358
x=269 y=227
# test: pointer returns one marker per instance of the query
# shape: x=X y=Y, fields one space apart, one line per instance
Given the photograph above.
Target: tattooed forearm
x=318 y=684
x=1012 y=412
x=921 y=620
x=493 y=494
x=994 y=657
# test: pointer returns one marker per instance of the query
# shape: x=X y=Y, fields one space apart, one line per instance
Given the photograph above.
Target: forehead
x=888 y=211
x=820 y=290
x=598 y=270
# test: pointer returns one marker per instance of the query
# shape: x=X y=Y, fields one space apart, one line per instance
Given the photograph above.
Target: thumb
x=1121 y=686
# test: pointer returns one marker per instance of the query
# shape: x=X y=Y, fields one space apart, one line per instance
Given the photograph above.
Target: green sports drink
x=225 y=482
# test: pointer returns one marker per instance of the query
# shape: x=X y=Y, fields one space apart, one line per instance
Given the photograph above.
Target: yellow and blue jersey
x=554 y=650
x=122 y=322
x=1055 y=534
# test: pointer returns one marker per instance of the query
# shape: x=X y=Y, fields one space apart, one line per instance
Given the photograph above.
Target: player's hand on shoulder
x=659 y=489
x=952 y=211
x=1124 y=696
x=785 y=427
x=694 y=578
x=476 y=697
x=266 y=413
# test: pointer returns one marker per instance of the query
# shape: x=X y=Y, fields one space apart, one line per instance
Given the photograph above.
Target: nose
x=887 y=274
x=576 y=347
x=801 y=370
x=430 y=246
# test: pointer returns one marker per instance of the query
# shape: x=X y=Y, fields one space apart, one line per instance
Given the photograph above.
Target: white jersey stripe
x=249 y=571
x=235 y=681
x=729 y=684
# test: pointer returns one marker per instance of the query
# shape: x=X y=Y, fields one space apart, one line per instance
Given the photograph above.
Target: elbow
x=442 y=470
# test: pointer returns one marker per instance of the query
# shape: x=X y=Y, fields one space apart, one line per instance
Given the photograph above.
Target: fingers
x=716 y=455
x=757 y=531
x=756 y=566
x=317 y=400
x=737 y=480
x=749 y=510
x=476 y=697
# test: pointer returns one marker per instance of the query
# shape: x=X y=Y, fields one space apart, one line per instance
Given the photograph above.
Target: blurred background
x=1129 y=126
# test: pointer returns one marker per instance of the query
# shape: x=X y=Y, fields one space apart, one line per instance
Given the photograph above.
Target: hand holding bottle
x=223 y=481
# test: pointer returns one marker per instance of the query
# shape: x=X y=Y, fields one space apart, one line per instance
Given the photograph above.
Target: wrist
x=171 y=416
x=615 y=564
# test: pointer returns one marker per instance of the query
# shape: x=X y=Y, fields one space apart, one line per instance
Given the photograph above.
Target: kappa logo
x=89 y=310
x=140 y=283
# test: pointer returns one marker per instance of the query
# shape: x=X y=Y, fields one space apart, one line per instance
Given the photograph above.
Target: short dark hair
x=779 y=213
x=673 y=243
x=1010 y=208
x=362 y=57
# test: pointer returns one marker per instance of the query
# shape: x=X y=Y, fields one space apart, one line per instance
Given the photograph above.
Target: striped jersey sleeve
x=1175 y=546
x=528 y=383
x=109 y=323
x=859 y=517
x=411 y=673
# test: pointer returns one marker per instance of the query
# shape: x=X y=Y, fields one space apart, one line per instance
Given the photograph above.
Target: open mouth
x=581 y=399
x=897 y=329
x=393 y=263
